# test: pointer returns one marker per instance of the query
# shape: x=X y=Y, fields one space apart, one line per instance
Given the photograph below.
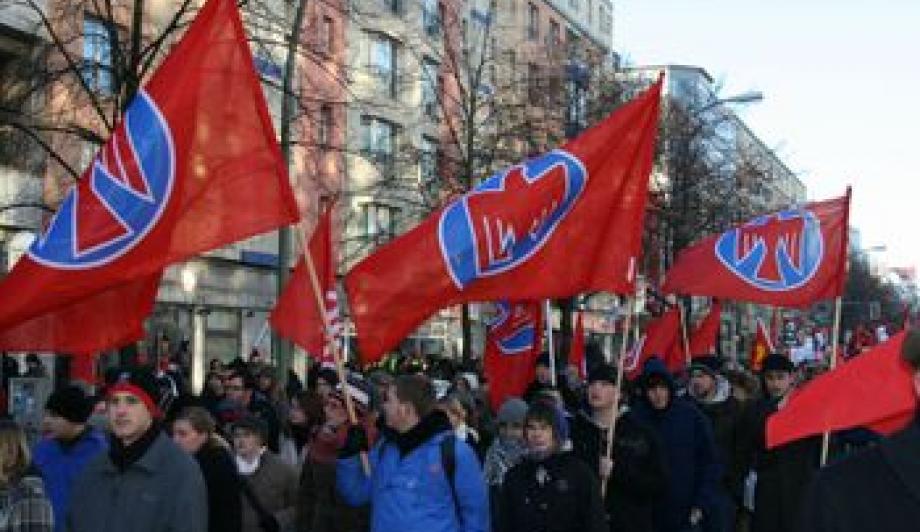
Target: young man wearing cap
x=269 y=485
x=712 y=394
x=68 y=447
x=878 y=488
x=407 y=486
x=145 y=483
x=636 y=474
x=783 y=473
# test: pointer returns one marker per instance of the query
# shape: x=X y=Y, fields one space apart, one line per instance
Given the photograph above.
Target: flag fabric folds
x=192 y=166
x=296 y=315
x=513 y=341
x=662 y=338
x=516 y=235
x=791 y=258
x=761 y=347
x=873 y=390
x=577 y=348
x=703 y=341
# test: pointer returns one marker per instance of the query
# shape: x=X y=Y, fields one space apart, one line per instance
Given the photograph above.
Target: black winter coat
x=558 y=494
x=639 y=473
x=225 y=506
x=876 y=489
x=733 y=439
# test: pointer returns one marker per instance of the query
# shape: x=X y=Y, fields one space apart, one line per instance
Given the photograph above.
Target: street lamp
x=199 y=324
x=744 y=97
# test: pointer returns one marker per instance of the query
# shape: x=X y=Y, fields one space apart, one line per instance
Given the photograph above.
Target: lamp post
x=199 y=326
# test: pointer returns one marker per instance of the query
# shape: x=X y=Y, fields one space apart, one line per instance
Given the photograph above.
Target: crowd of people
x=400 y=449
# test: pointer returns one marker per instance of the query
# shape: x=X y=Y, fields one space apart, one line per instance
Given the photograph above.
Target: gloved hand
x=355 y=442
x=270 y=524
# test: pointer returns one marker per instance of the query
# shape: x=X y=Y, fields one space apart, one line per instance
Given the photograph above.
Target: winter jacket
x=555 y=494
x=726 y=415
x=876 y=489
x=59 y=464
x=163 y=491
x=502 y=455
x=408 y=489
x=320 y=508
x=690 y=453
x=274 y=484
x=639 y=473
x=225 y=503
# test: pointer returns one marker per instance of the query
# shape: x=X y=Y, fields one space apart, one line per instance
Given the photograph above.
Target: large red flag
x=875 y=390
x=565 y=222
x=577 y=349
x=792 y=258
x=662 y=338
x=513 y=344
x=761 y=347
x=296 y=316
x=193 y=165
x=703 y=341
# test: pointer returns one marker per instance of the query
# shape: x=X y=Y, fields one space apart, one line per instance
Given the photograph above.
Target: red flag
x=565 y=222
x=513 y=344
x=193 y=165
x=703 y=341
x=776 y=327
x=761 y=347
x=662 y=339
x=296 y=316
x=875 y=389
x=577 y=350
x=791 y=258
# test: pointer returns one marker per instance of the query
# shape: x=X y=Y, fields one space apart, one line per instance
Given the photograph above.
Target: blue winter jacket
x=60 y=464
x=408 y=488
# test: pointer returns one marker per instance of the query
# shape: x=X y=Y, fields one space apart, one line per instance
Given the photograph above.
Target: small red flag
x=661 y=339
x=703 y=341
x=577 y=350
x=761 y=347
x=193 y=165
x=296 y=316
x=791 y=258
x=875 y=390
x=513 y=343
x=513 y=236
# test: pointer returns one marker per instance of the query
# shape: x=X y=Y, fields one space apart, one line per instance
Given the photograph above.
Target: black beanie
x=70 y=403
x=603 y=372
x=777 y=362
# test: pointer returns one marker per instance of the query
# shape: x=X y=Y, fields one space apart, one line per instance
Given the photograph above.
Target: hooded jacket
x=408 y=489
x=60 y=463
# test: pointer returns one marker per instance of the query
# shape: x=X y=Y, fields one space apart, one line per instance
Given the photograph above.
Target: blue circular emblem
x=130 y=183
x=777 y=253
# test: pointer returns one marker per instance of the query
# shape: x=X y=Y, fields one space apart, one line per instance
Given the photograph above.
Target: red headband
x=137 y=391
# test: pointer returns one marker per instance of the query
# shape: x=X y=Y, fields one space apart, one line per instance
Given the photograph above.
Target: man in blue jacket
x=422 y=478
x=70 y=444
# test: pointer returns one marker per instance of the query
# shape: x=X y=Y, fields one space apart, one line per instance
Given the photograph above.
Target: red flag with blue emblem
x=704 y=339
x=513 y=341
x=565 y=222
x=791 y=258
x=192 y=166
x=296 y=316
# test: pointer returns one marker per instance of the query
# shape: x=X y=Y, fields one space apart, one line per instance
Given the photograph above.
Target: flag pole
x=549 y=338
x=838 y=306
x=333 y=346
x=683 y=331
x=611 y=430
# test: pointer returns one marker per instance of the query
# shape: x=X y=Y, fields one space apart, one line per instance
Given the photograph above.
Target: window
x=98 y=36
x=379 y=142
x=430 y=88
x=325 y=39
x=533 y=24
x=428 y=164
x=431 y=17
x=378 y=221
x=324 y=129
x=574 y=4
x=393 y=6
x=605 y=19
x=533 y=81
x=553 y=37
x=383 y=64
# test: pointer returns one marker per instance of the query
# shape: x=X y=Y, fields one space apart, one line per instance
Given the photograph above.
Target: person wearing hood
x=689 y=448
x=782 y=473
x=506 y=450
x=69 y=446
x=422 y=478
x=145 y=483
x=550 y=490
x=712 y=394
x=636 y=474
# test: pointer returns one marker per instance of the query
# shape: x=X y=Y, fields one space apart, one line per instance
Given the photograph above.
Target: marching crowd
x=253 y=454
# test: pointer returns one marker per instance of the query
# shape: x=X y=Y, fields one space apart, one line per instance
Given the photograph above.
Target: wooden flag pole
x=838 y=307
x=333 y=346
x=549 y=338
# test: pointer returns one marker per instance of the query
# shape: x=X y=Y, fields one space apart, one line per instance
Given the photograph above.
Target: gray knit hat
x=512 y=410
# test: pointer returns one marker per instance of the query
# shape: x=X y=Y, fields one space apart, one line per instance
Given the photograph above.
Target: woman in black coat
x=194 y=430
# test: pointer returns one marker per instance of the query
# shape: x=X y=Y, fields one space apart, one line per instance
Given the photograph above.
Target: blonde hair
x=14 y=451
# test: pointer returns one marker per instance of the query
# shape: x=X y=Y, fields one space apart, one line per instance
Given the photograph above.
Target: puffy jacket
x=408 y=489
x=60 y=463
